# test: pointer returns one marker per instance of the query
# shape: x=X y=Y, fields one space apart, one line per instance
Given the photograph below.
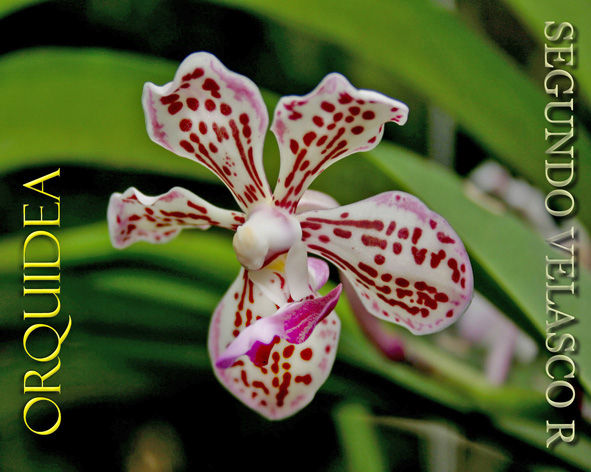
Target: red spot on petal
x=397 y=248
x=305 y=379
x=175 y=108
x=379 y=259
x=185 y=125
x=373 y=241
x=225 y=109
x=369 y=269
x=212 y=86
x=192 y=103
x=342 y=233
x=327 y=106
x=436 y=258
x=169 y=99
x=357 y=129
x=368 y=115
x=403 y=233
x=391 y=228
x=187 y=146
x=318 y=121
x=419 y=255
x=402 y=282
x=416 y=235
x=306 y=354
x=345 y=98
x=444 y=238
x=309 y=137
x=294 y=146
x=209 y=105
x=288 y=351
x=453 y=265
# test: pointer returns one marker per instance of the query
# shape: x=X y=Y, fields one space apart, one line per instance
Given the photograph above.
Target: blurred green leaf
x=81 y=106
x=359 y=439
x=451 y=65
x=534 y=433
x=534 y=14
x=10 y=6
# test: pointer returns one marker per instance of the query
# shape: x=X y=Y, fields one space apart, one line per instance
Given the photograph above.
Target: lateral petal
x=318 y=129
x=215 y=117
x=133 y=216
x=294 y=372
x=406 y=262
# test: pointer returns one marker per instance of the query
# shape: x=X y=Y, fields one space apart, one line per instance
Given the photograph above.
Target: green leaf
x=535 y=13
x=432 y=51
x=359 y=439
x=534 y=433
x=10 y=6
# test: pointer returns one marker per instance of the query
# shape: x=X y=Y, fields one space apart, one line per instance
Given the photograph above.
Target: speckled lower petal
x=318 y=129
x=215 y=117
x=293 y=322
x=405 y=261
x=294 y=372
x=133 y=216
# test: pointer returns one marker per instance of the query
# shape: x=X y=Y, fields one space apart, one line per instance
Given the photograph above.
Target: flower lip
x=268 y=232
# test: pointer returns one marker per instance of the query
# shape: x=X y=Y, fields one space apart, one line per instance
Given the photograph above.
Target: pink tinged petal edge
x=214 y=117
x=318 y=273
x=293 y=322
x=294 y=372
x=331 y=122
x=133 y=216
x=406 y=263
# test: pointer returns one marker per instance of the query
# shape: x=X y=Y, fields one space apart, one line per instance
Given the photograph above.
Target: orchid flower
x=273 y=337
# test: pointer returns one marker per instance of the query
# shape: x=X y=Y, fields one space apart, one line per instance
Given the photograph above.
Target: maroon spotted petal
x=215 y=117
x=318 y=129
x=293 y=373
x=406 y=262
x=133 y=216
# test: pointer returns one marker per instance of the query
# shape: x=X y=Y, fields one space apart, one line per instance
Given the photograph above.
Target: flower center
x=267 y=232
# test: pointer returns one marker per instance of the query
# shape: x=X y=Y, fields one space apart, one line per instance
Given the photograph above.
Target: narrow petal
x=406 y=262
x=294 y=372
x=293 y=322
x=318 y=129
x=296 y=271
x=315 y=200
x=134 y=216
x=215 y=117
